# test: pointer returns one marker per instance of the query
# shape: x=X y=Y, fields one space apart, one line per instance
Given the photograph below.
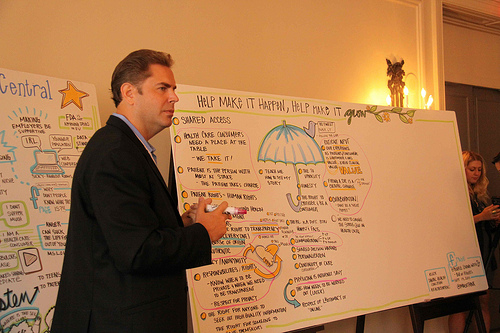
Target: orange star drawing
x=72 y=95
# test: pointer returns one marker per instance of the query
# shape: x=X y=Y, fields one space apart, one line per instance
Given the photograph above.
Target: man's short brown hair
x=134 y=69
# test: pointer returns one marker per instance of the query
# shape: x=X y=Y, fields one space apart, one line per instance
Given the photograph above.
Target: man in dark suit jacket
x=127 y=247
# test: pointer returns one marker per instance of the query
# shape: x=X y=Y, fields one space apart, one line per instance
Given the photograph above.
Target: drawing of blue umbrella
x=290 y=144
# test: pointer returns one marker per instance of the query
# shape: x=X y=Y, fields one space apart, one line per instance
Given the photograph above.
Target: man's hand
x=214 y=222
x=189 y=216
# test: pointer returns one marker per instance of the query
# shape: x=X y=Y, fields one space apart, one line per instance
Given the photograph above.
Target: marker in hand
x=228 y=210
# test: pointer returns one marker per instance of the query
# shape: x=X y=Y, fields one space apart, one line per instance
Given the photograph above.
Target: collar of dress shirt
x=146 y=144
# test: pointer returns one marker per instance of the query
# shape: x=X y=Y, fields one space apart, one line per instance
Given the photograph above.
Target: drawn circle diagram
x=348 y=176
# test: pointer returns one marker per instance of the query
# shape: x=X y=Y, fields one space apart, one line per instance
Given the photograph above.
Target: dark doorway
x=478 y=118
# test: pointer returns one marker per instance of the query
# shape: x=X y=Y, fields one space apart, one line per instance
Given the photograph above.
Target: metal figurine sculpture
x=396 y=85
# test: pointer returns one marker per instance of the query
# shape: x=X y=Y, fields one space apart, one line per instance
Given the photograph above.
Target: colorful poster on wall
x=45 y=124
x=351 y=208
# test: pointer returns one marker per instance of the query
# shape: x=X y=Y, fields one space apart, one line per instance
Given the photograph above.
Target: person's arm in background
x=489 y=213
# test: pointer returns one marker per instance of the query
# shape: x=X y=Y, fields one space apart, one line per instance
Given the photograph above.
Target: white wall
x=471 y=57
x=333 y=50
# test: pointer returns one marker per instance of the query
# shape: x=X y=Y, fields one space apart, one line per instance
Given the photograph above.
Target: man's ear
x=128 y=91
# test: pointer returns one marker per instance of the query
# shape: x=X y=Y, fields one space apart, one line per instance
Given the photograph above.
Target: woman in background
x=486 y=218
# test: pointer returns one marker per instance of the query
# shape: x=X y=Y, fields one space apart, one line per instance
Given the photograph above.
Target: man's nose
x=173 y=98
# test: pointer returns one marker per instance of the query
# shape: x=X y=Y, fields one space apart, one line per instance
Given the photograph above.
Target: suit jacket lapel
x=117 y=122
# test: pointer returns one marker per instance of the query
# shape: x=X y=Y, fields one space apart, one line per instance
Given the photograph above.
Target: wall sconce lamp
x=395 y=83
x=399 y=90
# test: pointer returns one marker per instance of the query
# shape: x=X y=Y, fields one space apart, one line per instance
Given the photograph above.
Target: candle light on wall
x=406 y=92
x=388 y=100
x=429 y=102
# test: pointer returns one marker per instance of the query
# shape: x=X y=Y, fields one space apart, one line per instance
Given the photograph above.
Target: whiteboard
x=45 y=124
x=352 y=208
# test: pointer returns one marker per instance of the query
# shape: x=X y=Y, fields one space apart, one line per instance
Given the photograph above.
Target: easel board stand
x=494 y=245
x=446 y=306
x=313 y=329
x=421 y=312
